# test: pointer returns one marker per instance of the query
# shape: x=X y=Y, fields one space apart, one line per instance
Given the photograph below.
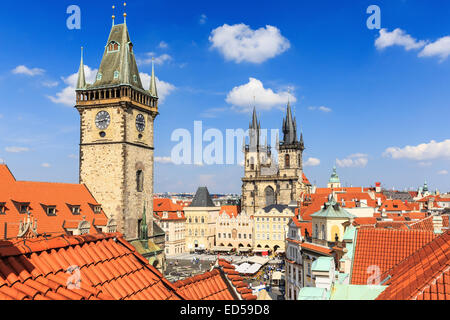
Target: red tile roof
x=364 y=221
x=384 y=248
x=303 y=226
x=216 y=285
x=231 y=211
x=310 y=207
x=317 y=248
x=427 y=223
x=394 y=205
x=305 y=180
x=424 y=275
x=109 y=269
x=39 y=195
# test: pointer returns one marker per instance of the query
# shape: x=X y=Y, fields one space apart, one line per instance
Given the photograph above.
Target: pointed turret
x=144 y=229
x=254 y=130
x=81 y=83
x=118 y=66
x=289 y=127
x=153 y=90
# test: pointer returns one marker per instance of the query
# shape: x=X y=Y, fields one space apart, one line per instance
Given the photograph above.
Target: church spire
x=289 y=127
x=254 y=131
x=81 y=83
x=153 y=90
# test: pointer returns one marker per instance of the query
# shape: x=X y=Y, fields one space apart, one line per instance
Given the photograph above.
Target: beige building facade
x=201 y=217
x=234 y=232
x=270 y=228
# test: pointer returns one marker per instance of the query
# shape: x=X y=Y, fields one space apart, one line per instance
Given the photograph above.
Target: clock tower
x=116 y=135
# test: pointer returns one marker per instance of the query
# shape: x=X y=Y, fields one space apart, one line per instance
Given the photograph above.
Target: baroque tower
x=116 y=135
x=265 y=182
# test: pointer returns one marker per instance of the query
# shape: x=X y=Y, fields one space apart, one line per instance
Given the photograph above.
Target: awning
x=224 y=249
x=244 y=249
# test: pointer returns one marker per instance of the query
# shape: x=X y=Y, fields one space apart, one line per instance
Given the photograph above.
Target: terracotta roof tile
x=384 y=248
x=424 y=275
x=108 y=270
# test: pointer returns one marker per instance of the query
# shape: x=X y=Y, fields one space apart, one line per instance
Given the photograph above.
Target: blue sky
x=360 y=96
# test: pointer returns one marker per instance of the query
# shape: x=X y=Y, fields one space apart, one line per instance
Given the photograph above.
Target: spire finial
x=152 y=89
x=113 y=16
x=124 y=13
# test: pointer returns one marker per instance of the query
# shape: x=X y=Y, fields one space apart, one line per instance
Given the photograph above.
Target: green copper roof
x=121 y=61
x=334 y=177
x=322 y=264
x=81 y=83
x=355 y=292
x=146 y=247
x=312 y=293
x=349 y=233
x=333 y=210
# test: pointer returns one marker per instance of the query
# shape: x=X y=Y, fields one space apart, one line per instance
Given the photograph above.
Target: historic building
x=170 y=217
x=270 y=228
x=234 y=231
x=201 y=218
x=334 y=181
x=116 y=134
x=265 y=182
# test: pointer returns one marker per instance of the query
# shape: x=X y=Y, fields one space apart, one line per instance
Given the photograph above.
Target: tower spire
x=289 y=127
x=81 y=83
x=153 y=90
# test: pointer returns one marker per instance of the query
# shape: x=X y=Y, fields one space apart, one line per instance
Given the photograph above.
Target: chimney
x=437 y=224
x=377 y=187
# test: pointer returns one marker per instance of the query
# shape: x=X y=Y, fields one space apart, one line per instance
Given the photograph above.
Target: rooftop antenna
x=113 y=16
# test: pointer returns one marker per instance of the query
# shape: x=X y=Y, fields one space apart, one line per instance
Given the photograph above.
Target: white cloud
x=354 y=160
x=163 y=160
x=159 y=60
x=163 y=45
x=67 y=95
x=45 y=165
x=27 y=71
x=322 y=108
x=398 y=37
x=244 y=97
x=202 y=19
x=312 y=162
x=443 y=172
x=424 y=151
x=440 y=48
x=50 y=84
x=16 y=149
x=164 y=88
x=239 y=43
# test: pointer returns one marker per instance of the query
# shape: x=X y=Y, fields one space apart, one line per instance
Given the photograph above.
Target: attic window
x=134 y=78
x=75 y=210
x=24 y=207
x=2 y=207
x=116 y=74
x=99 y=76
x=97 y=208
x=131 y=47
x=113 y=46
x=51 y=210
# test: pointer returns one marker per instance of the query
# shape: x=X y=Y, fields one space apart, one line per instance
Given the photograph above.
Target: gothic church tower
x=116 y=135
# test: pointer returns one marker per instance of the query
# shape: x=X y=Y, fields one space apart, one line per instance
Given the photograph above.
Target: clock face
x=140 y=123
x=102 y=120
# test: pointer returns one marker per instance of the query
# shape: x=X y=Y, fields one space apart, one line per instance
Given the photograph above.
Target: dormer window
x=113 y=46
x=75 y=210
x=131 y=47
x=116 y=74
x=97 y=209
x=24 y=207
x=99 y=76
x=134 y=78
x=51 y=210
x=2 y=207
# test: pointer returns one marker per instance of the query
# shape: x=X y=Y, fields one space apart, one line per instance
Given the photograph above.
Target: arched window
x=270 y=196
x=316 y=229
x=113 y=46
x=287 y=161
x=140 y=181
x=323 y=232
x=252 y=163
